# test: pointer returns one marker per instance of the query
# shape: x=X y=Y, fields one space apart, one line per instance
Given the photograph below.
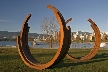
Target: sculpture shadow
x=68 y=63
x=43 y=54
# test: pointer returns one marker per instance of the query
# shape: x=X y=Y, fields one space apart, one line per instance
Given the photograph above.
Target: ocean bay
x=44 y=45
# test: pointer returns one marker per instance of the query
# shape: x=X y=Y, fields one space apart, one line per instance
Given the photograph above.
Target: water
x=43 y=45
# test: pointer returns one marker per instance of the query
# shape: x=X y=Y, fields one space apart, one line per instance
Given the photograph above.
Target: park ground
x=10 y=61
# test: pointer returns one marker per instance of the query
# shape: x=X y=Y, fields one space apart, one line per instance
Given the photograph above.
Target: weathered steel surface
x=23 y=48
x=96 y=47
x=64 y=43
x=69 y=34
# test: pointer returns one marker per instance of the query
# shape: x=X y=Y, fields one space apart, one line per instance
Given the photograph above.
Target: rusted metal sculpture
x=96 y=47
x=23 y=48
x=64 y=43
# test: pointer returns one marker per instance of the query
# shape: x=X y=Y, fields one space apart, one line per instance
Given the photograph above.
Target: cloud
x=5 y=21
x=2 y=20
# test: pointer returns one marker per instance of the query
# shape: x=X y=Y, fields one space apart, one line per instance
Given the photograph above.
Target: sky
x=13 y=13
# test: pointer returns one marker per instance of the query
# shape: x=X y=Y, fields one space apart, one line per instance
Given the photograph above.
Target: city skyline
x=55 y=31
x=13 y=12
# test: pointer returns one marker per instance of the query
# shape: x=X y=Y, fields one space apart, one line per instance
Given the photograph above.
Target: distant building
x=14 y=37
x=101 y=35
x=81 y=37
x=89 y=37
x=85 y=37
x=4 y=37
x=75 y=36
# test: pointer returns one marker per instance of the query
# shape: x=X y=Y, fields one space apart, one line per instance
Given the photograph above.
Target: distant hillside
x=11 y=34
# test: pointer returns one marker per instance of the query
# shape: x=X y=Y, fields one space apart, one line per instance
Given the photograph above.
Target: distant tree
x=48 y=27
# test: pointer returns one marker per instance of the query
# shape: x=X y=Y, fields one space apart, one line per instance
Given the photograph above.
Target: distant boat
x=35 y=43
x=102 y=44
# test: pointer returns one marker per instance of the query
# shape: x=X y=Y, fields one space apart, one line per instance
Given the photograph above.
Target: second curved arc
x=95 y=48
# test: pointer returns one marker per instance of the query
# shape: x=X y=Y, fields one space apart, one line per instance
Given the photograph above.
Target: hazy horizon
x=71 y=31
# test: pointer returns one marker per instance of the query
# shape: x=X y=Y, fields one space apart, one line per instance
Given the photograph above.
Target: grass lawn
x=10 y=61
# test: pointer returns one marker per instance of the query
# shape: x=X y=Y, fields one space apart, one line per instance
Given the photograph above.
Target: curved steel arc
x=96 y=47
x=23 y=49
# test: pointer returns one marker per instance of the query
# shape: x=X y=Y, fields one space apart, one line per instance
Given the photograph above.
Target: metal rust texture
x=24 y=51
x=96 y=47
x=69 y=32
